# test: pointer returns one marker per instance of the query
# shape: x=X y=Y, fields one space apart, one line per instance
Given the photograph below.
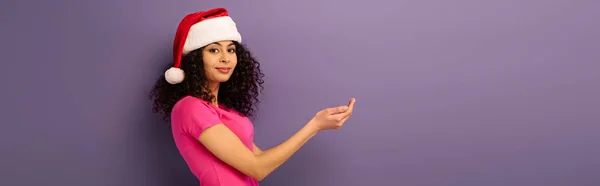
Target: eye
x=231 y=50
x=213 y=50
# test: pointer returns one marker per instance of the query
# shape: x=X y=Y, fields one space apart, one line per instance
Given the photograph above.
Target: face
x=220 y=60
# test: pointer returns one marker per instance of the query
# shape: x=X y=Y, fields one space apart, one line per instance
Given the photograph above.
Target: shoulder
x=192 y=115
x=191 y=104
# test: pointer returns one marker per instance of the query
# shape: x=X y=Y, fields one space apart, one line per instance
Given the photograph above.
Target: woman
x=208 y=95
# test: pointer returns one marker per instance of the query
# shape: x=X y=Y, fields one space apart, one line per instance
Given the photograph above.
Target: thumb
x=336 y=110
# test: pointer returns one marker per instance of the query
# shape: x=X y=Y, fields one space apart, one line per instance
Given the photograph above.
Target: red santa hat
x=197 y=30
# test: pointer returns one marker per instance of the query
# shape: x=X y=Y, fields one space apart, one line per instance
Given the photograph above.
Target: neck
x=214 y=90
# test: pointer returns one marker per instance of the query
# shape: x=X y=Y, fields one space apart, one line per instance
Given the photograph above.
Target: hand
x=333 y=118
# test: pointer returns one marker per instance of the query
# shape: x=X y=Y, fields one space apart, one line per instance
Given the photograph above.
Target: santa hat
x=197 y=30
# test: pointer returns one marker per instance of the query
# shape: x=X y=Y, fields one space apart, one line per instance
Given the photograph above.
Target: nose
x=224 y=58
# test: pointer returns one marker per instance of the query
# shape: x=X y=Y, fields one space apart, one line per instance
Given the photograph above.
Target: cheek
x=208 y=68
x=207 y=65
x=209 y=62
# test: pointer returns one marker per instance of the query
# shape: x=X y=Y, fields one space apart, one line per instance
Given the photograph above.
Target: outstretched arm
x=200 y=120
x=225 y=145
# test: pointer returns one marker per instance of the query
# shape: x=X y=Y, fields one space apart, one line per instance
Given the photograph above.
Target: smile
x=224 y=70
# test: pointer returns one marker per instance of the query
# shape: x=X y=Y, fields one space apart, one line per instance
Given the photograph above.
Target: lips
x=224 y=70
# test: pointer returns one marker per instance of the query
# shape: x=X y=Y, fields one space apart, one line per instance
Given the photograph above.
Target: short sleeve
x=196 y=115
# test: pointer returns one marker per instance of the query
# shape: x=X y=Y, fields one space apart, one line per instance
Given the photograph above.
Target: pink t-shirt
x=189 y=117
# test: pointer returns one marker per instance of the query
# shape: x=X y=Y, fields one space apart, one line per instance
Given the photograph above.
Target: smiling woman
x=219 y=58
x=208 y=94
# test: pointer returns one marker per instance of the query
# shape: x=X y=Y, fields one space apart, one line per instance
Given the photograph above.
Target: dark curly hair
x=240 y=92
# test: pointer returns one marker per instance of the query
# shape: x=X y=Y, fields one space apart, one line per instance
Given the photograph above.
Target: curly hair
x=240 y=92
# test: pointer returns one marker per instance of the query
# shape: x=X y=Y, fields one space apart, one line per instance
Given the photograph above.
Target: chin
x=223 y=79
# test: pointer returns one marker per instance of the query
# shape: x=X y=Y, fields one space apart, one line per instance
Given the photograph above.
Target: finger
x=351 y=103
x=344 y=120
x=350 y=108
x=346 y=116
x=348 y=113
x=339 y=117
x=336 y=110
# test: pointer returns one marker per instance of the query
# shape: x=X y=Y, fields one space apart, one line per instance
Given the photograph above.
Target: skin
x=218 y=55
x=226 y=146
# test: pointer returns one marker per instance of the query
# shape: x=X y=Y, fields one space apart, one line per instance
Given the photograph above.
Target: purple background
x=452 y=93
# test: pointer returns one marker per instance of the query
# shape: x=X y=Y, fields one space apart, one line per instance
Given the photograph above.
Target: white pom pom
x=174 y=75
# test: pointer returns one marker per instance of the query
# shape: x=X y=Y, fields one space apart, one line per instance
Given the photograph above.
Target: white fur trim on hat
x=174 y=75
x=209 y=31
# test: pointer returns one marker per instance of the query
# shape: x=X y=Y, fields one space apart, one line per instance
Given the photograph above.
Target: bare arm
x=257 y=151
x=225 y=145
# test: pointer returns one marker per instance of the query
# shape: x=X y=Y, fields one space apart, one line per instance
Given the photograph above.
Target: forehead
x=223 y=43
